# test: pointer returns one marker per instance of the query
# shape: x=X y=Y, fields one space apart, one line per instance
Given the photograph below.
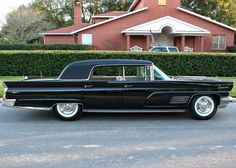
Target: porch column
x=182 y=43
x=148 y=42
x=195 y=41
x=128 y=42
x=202 y=43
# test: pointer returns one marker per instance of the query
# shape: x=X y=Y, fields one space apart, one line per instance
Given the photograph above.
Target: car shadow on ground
x=135 y=116
x=35 y=115
x=13 y=115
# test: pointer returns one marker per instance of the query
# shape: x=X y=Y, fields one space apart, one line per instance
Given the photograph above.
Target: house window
x=87 y=39
x=219 y=42
x=161 y=2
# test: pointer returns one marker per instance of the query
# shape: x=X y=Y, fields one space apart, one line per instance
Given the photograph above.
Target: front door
x=163 y=40
x=136 y=86
x=104 y=88
x=142 y=92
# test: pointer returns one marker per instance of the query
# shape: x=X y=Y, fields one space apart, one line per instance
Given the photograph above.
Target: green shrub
x=44 y=47
x=51 y=63
x=232 y=49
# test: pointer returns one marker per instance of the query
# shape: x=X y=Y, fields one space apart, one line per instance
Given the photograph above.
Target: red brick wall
x=139 y=41
x=59 y=39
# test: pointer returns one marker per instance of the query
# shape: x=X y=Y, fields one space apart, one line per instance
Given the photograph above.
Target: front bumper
x=225 y=101
x=8 y=102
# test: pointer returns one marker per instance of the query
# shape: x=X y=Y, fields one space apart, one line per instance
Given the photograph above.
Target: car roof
x=82 y=69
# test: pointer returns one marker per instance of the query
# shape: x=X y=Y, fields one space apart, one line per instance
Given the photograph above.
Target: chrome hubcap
x=204 y=106
x=67 y=109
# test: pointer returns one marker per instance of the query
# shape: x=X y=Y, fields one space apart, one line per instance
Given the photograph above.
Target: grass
x=16 y=78
x=8 y=78
x=233 y=79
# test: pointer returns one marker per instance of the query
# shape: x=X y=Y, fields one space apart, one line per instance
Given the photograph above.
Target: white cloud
x=7 y=6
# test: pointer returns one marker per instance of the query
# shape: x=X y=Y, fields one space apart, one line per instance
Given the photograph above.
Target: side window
x=164 y=49
x=219 y=42
x=157 y=76
x=112 y=73
x=156 y=49
x=137 y=73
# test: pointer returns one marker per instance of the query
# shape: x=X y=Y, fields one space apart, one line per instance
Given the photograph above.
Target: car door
x=136 y=86
x=104 y=88
x=140 y=92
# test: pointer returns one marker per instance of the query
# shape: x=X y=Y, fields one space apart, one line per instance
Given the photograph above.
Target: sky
x=7 y=6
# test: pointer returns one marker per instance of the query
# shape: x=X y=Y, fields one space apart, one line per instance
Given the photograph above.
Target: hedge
x=44 y=47
x=51 y=63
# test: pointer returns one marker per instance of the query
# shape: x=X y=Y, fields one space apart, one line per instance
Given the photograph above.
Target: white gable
x=176 y=26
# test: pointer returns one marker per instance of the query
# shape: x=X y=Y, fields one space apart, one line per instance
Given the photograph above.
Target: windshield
x=159 y=75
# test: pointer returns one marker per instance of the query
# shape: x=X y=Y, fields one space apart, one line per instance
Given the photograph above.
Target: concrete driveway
x=37 y=139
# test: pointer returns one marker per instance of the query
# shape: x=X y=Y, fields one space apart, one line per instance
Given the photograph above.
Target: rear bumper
x=225 y=101
x=8 y=102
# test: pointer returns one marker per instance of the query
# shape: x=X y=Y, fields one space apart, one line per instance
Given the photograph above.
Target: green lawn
x=7 y=78
x=233 y=79
x=13 y=78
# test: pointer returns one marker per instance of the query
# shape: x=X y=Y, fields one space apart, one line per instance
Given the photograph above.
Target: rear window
x=173 y=49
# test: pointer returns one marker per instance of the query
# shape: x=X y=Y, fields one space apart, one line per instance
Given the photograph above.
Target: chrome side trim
x=8 y=102
x=132 y=111
x=34 y=108
x=41 y=108
x=179 y=99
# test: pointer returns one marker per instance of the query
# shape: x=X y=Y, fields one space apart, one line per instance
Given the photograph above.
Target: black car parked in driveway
x=118 y=86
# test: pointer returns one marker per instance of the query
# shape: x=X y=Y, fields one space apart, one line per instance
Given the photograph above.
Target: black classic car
x=118 y=86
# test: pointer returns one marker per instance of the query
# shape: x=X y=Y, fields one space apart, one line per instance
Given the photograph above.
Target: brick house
x=147 y=23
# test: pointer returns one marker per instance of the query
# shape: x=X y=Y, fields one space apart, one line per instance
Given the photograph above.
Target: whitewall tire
x=68 y=111
x=203 y=107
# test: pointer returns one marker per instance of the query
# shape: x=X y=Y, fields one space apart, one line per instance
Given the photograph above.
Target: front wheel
x=203 y=107
x=68 y=111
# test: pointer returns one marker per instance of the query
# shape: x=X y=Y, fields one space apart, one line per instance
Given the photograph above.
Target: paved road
x=37 y=139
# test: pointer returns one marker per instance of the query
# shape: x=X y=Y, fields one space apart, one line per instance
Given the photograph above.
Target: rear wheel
x=68 y=111
x=203 y=107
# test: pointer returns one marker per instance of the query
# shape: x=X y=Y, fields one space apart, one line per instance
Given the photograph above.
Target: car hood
x=197 y=78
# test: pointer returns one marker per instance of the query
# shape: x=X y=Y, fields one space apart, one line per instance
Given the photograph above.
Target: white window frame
x=87 y=39
x=216 y=42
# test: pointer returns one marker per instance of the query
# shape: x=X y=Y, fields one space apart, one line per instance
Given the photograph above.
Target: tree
x=60 y=12
x=227 y=12
x=116 y=5
x=221 y=10
x=24 y=25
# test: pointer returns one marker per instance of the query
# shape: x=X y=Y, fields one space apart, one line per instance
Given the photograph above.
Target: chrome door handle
x=128 y=86
x=88 y=86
